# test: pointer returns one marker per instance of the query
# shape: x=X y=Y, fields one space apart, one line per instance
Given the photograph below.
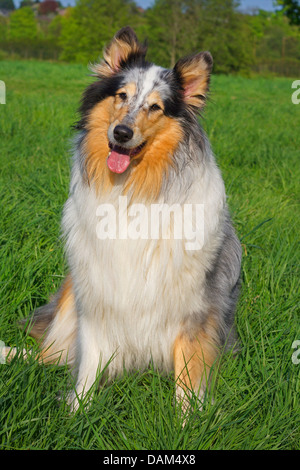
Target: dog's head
x=134 y=112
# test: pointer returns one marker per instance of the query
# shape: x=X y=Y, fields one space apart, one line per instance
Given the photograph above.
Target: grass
x=254 y=130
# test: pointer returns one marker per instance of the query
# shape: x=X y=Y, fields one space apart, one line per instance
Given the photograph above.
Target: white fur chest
x=135 y=291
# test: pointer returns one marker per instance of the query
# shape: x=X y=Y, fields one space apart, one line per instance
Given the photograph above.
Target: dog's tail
x=54 y=326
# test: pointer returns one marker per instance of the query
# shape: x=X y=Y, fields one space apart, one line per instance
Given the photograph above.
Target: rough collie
x=132 y=297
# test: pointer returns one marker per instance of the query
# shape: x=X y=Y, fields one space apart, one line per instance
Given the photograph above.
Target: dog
x=129 y=301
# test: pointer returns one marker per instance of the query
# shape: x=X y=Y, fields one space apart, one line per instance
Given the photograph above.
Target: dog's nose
x=122 y=133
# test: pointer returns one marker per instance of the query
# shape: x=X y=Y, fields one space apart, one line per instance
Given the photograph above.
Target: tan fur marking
x=193 y=358
x=155 y=98
x=96 y=144
x=61 y=334
x=67 y=292
x=129 y=88
x=162 y=137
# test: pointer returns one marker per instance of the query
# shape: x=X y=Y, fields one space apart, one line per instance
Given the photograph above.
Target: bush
x=280 y=67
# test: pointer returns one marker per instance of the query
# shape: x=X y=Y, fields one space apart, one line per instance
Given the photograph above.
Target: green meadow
x=254 y=130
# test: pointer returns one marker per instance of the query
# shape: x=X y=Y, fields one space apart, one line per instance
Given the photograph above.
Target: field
x=254 y=130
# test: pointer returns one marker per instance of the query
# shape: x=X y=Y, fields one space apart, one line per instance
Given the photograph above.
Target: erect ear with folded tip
x=194 y=73
x=124 y=45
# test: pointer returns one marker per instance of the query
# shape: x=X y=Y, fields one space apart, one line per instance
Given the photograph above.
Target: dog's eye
x=123 y=96
x=155 y=107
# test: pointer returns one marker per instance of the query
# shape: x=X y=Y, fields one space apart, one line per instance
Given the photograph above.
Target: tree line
x=239 y=42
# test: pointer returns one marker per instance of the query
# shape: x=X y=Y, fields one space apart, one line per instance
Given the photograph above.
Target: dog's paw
x=7 y=353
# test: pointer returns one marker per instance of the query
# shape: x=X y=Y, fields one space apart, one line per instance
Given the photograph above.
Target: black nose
x=122 y=133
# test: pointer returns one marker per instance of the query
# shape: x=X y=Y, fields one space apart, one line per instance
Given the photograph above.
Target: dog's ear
x=194 y=74
x=123 y=47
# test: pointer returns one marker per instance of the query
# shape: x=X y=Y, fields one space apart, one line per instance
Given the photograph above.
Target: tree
x=177 y=28
x=167 y=31
x=26 y=3
x=23 y=30
x=3 y=30
x=7 y=5
x=91 y=24
x=226 y=33
x=48 y=6
x=291 y=9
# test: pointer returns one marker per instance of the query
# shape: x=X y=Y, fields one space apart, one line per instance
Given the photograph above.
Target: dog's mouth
x=119 y=158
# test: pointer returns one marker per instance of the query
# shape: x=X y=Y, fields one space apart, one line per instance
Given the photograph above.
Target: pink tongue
x=118 y=162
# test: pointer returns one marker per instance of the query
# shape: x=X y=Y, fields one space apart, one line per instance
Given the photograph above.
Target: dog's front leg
x=88 y=360
x=194 y=355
